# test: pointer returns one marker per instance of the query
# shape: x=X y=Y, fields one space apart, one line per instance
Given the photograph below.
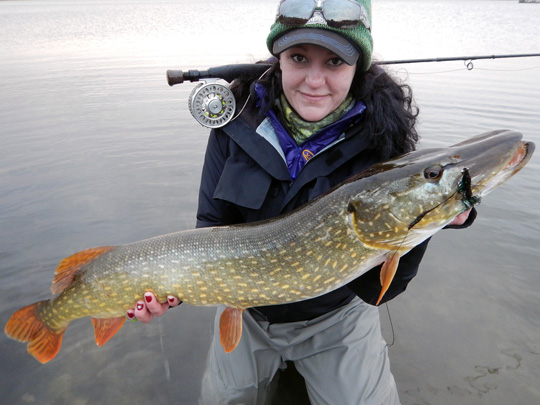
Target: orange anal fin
x=68 y=267
x=388 y=272
x=106 y=328
x=25 y=326
x=230 y=328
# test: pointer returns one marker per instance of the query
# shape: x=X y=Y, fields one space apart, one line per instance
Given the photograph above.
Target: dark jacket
x=245 y=179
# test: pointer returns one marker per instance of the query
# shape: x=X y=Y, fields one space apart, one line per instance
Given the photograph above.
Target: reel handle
x=227 y=72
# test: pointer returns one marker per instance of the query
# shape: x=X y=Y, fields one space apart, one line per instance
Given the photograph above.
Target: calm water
x=96 y=149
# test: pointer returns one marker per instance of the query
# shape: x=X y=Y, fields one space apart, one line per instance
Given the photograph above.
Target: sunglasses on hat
x=335 y=13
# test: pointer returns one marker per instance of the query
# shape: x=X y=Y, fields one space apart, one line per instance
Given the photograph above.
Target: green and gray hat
x=353 y=44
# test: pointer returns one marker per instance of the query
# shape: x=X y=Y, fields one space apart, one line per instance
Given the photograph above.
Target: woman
x=322 y=113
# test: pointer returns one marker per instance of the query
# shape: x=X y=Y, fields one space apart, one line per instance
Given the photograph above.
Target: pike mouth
x=522 y=152
x=515 y=164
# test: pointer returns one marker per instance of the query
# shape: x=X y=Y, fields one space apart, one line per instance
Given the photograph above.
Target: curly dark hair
x=388 y=121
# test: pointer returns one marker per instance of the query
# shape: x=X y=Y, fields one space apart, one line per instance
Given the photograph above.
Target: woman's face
x=315 y=80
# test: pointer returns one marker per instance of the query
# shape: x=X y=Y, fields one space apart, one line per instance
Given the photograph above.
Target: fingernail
x=148 y=298
x=140 y=306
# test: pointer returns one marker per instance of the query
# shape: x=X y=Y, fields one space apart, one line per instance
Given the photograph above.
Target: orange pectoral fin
x=25 y=326
x=104 y=329
x=388 y=272
x=230 y=328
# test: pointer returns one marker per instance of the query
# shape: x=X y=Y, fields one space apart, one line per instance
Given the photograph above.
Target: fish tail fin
x=26 y=326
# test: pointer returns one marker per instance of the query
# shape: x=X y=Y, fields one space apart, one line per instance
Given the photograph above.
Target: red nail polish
x=140 y=306
x=130 y=315
x=171 y=300
x=148 y=298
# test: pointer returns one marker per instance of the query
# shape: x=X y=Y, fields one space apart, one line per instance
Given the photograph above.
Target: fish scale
x=249 y=277
x=371 y=219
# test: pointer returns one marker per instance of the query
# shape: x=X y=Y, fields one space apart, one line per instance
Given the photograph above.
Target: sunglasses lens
x=340 y=10
x=296 y=9
x=345 y=14
x=337 y=13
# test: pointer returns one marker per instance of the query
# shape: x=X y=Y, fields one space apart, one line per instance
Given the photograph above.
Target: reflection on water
x=97 y=149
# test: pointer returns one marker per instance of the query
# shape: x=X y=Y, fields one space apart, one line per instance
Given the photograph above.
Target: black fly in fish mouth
x=467 y=197
x=464 y=187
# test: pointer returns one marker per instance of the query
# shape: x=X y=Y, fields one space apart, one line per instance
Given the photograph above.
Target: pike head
x=404 y=201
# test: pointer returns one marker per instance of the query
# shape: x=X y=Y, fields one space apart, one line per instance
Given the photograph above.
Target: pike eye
x=433 y=173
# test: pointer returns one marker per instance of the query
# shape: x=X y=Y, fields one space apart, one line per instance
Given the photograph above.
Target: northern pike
x=373 y=218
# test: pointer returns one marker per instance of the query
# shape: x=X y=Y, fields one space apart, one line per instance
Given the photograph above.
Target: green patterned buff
x=300 y=129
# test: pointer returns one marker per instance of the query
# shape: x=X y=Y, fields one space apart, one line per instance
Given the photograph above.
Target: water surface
x=98 y=150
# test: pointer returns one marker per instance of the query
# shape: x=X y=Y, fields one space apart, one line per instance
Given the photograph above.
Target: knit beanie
x=323 y=35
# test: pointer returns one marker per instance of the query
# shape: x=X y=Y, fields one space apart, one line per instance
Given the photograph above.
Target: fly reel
x=212 y=104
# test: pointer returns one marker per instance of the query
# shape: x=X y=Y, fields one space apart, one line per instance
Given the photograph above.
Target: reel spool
x=212 y=104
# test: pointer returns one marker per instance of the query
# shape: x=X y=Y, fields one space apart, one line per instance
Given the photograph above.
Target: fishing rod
x=226 y=72
x=213 y=104
x=468 y=59
x=230 y=72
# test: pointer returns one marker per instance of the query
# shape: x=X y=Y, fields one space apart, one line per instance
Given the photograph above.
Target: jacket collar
x=297 y=155
x=257 y=147
x=243 y=132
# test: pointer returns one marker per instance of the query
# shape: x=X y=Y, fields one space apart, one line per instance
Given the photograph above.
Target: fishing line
x=468 y=200
x=400 y=245
x=391 y=326
x=509 y=70
x=434 y=73
x=249 y=96
x=165 y=359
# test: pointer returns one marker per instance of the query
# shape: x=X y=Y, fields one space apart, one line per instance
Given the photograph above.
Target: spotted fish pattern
x=374 y=217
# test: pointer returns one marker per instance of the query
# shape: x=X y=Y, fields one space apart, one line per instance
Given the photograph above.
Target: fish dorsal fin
x=68 y=267
x=106 y=328
x=388 y=272
x=230 y=328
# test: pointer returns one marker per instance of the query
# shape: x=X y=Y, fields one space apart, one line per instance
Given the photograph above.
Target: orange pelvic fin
x=104 y=329
x=68 y=267
x=230 y=328
x=25 y=326
x=388 y=272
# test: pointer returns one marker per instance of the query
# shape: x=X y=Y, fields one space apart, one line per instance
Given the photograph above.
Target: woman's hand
x=150 y=307
x=461 y=218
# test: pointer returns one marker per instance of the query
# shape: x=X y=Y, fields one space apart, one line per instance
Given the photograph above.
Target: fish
x=373 y=218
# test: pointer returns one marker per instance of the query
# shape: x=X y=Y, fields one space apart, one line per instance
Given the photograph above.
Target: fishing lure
x=468 y=199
